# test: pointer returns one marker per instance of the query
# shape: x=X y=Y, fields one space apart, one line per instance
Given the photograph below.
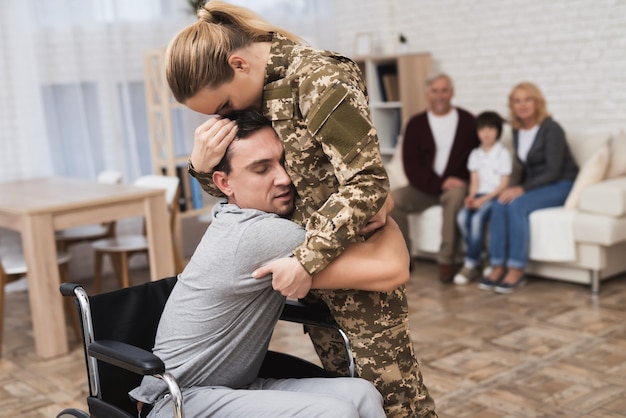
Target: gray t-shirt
x=218 y=320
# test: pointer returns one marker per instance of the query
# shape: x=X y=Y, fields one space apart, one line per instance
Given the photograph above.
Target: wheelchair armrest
x=127 y=357
x=319 y=316
x=67 y=289
x=308 y=314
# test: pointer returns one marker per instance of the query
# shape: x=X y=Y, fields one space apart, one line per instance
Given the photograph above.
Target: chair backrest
x=129 y=315
x=110 y=177
x=171 y=185
x=13 y=264
x=168 y=183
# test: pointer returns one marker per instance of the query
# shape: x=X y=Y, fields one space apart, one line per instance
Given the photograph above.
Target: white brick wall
x=575 y=50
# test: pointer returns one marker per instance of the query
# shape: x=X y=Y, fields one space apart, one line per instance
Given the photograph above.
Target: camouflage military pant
x=377 y=325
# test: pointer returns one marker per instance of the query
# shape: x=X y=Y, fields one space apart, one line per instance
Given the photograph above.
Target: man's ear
x=221 y=181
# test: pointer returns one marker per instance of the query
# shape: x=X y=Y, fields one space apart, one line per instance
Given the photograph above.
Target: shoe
x=487 y=284
x=506 y=288
x=446 y=273
x=465 y=276
x=487 y=271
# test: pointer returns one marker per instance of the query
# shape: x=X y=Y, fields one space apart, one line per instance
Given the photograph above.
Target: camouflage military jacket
x=318 y=105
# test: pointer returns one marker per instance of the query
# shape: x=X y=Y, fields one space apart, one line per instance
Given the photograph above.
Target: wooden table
x=38 y=207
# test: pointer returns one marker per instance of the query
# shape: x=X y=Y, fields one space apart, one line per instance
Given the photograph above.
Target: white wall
x=575 y=50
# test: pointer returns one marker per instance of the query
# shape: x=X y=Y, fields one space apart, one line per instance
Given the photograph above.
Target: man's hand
x=211 y=139
x=451 y=183
x=378 y=221
x=288 y=277
x=510 y=194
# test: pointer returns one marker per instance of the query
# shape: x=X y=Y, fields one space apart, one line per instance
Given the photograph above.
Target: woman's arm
x=211 y=140
x=555 y=152
x=379 y=264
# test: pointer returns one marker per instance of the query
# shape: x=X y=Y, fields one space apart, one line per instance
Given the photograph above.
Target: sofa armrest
x=607 y=197
x=395 y=171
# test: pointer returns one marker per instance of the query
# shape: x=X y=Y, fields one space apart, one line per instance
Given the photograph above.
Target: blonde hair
x=198 y=55
x=541 y=110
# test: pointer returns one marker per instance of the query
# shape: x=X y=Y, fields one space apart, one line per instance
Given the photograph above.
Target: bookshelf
x=171 y=127
x=396 y=87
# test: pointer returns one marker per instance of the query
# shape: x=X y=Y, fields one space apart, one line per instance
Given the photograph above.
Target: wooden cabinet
x=171 y=127
x=396 y=86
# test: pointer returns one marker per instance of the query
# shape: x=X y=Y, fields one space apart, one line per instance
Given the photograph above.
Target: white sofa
x=582 y=242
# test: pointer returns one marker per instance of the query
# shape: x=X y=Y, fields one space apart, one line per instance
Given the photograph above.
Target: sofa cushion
x=605 y=198
x=552 y=235
x=425 y=230
x=599 y=229
x=617 y=165
x=591 y=172
x=584 y=145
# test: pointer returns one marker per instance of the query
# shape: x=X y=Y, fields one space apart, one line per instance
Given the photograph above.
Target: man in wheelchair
x=218 y=320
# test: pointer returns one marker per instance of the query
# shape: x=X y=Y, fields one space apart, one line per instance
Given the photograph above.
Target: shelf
x=171 y=127
x=396 y=86
x=386 y=105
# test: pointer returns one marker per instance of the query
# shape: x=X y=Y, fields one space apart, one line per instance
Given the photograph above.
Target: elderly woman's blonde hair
x=541 y=110
x=198 y=55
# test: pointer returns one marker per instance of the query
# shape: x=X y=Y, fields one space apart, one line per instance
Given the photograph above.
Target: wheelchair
x=118 y=332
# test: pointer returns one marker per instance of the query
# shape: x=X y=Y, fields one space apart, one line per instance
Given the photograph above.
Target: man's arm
x=418 y=155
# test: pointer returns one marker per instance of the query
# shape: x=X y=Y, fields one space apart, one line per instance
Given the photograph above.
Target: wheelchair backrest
x=129 y=315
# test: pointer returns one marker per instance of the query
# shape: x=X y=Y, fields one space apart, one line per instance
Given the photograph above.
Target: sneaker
x=506 y=288
x=487 y=284
x=465 y=276
x=487 y=271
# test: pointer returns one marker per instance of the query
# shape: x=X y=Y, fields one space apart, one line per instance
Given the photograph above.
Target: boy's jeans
x=473 y=226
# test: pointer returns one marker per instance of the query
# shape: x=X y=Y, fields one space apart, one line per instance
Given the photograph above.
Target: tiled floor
x=549 y=350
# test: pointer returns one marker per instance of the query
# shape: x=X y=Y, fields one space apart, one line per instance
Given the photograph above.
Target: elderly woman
x=548 y=173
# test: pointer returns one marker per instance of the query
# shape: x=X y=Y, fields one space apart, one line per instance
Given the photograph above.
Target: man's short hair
x=437 y=76
x=490 y=119
x=248 y=121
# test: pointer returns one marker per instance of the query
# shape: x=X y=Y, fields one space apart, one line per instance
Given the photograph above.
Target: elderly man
x=436 y=146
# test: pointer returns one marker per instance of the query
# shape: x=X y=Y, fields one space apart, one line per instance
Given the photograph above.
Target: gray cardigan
x=549 y=159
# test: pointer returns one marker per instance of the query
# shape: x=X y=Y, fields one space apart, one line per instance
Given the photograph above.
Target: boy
x=490 y=168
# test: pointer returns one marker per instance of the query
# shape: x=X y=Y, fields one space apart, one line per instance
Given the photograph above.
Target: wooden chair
x=122 y=247
x=13 y=267
x=89 y=233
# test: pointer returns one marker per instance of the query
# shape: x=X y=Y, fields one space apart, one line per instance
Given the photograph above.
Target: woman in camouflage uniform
x=231 y=59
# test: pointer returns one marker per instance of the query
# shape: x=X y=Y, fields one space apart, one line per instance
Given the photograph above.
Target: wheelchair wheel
x=72 y=413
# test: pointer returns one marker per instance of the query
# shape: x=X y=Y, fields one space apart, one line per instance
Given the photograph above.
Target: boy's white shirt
x=490 y=166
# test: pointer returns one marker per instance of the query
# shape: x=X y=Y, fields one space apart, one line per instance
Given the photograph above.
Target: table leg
x=46 y=303
x=160 y=254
